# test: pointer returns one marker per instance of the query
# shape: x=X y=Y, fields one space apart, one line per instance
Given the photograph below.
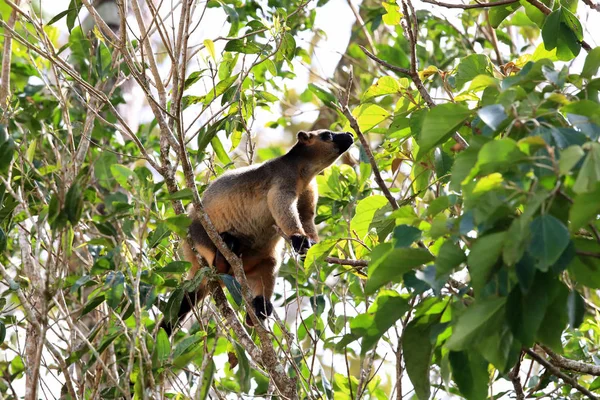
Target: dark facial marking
x=343 y=141
x=326 y=136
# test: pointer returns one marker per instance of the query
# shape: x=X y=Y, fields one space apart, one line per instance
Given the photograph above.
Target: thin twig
x=354 y=124
x=420 y=87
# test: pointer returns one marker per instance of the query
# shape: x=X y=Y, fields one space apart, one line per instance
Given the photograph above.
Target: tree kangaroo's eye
x=326 y=136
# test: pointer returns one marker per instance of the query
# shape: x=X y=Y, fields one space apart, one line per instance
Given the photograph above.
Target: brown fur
x=248 y=201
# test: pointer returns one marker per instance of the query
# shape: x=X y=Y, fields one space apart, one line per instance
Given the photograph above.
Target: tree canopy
x=460 y=239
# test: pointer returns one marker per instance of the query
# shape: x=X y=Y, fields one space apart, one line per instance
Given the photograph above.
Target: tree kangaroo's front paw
x=262 y=308
x=301 y=243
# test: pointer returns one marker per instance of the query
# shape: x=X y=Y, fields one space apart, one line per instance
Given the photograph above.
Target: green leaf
x=102 y=169
x=74 y=203
x=233 y=286
x=288 y=46
x=472 y=66
x=499 y=13
x=534 y=13
x=440 y=123
x=369 y=115
x=470 y=372
x=571 y=21
x=564 y=32
x=187 y=350
x=183 y=194
x=472 y=321
x=585 y=108
x=389 y=307
x=576 y=309
x=219 y=89
x=462 y=167
x=207 y=381
x=586 y=269
x=326 y=97
x=74 y=8
x=585 y=209
x=589 y=174
x=549 y=238
x=392 y=15
x=175 y=267
x=389 y=264
x=516 y=240
x=245 y=46
x=124 y=176
x=318 y=252
x=210 y=46
x=418 y=350
x=7 y=148
x=556 y=318
x=484 y=255
x=551 y=29
x=59 y=16
x=171 y=310
x=2 y=332
x=369 y=211
x=162 y=347
x=449 y=257
x=499 y=156
x=92 y=304
x=493 y=115
x=406 y=235
x=592 y=63
x=595 y=385
x=384 y=85
x=158 y=235
x=569 y=157
x=525 y=312
x=220 y=150
x=116 y=284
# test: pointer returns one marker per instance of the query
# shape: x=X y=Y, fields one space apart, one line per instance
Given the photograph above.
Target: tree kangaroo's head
x=321 y=148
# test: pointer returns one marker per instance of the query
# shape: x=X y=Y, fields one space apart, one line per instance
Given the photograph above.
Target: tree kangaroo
x=245 y=203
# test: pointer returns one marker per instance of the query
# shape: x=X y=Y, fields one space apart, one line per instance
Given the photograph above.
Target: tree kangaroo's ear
x=303 y=136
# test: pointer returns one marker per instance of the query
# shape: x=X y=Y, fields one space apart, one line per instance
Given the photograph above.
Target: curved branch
x=354 y=124
x=471 y=6
x=573 y=365
x=558 y=373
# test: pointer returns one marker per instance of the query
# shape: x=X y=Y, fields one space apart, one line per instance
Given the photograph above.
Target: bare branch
x=6 y=57
x=573 y=365
x=354 y=124
x=516 y=381
x=471 y=6
x=558 y=373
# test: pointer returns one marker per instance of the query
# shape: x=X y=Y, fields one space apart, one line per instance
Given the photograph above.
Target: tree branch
x=573 y=365
x=6 y=57
x=558 y=373
x=354 y=124
x=471 y=6
x=516 y=381
x=543 y=8
x=414 y=76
